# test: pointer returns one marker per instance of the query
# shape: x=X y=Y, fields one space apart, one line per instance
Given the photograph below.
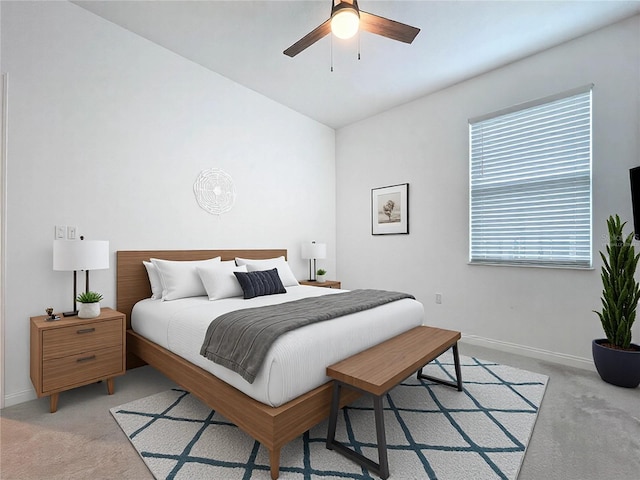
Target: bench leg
x=382 y=468
x=333 y=415
x=456 y=362
x=382 y=437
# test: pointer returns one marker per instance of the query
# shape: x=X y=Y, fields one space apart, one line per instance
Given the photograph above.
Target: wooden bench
x=377 y=370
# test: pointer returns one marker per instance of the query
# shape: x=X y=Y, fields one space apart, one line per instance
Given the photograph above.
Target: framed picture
x=390 y=210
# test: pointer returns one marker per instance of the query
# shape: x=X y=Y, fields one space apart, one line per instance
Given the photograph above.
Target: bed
x=273 y=426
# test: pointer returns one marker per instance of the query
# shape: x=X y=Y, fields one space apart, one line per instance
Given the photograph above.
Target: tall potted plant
x=616 y=358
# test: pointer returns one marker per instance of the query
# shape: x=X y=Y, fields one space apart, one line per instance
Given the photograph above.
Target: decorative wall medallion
x=214 y=191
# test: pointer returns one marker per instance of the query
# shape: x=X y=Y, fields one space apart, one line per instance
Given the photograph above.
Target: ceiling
x=244 y=40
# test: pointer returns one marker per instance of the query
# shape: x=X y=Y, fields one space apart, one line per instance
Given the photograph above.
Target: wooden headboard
x=132 y=280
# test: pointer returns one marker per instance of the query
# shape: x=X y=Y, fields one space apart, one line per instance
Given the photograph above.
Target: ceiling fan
x=345 y=20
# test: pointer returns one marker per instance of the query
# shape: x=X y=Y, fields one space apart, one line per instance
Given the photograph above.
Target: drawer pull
x=86 y=359
x=86 y=330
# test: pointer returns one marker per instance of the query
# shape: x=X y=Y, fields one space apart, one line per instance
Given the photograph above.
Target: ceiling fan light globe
x=345 y=23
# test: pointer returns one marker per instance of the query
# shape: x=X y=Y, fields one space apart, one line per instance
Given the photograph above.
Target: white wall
x=540 y=312
x=108 y=132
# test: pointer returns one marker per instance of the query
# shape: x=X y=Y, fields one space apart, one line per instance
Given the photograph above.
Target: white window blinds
x=530 y=184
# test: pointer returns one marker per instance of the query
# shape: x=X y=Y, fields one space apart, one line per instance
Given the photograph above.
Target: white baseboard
x=538 y=353
x=19 y=397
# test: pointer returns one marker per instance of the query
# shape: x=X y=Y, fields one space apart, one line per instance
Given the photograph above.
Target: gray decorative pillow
x=260 y=283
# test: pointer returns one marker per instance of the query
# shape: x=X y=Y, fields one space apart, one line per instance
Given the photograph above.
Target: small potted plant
x=89 y=304
x=320 y=275
x=615 y=357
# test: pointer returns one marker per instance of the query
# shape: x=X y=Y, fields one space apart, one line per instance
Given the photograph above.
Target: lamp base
x=70 y=314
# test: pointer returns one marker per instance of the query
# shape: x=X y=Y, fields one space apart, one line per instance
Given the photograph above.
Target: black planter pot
x=617 y=367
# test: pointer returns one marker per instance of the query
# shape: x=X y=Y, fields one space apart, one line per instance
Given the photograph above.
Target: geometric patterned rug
x=433 y=431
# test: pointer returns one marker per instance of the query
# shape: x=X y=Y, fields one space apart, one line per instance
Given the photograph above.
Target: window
x=530 y=183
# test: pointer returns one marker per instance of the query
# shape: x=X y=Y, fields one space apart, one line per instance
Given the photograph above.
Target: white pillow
x=284 y=271
x=154 y=280
x=180 y=279
x=219 y=280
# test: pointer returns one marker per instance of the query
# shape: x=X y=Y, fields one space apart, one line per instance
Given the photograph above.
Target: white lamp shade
x=345 y=23
x=314 y=250
x=71 y=255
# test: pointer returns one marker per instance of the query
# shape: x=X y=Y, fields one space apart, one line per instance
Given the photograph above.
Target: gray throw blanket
x=240 y=340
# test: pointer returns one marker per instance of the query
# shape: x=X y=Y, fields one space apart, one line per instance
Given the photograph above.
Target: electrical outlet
x=71 y=233
x=59 y=232
x=438 y=298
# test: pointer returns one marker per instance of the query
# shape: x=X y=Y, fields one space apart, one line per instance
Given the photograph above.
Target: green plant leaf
x=620 y=290
x=89 y=297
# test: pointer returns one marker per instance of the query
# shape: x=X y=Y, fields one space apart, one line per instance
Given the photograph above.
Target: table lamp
x=313 y=251
x=74 y=255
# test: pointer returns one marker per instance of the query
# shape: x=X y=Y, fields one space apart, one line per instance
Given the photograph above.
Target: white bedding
x=297 y=361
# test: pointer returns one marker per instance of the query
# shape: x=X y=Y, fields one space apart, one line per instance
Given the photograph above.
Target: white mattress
x=297 y=361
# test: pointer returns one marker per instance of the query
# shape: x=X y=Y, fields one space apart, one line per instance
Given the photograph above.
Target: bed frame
x=273 y=427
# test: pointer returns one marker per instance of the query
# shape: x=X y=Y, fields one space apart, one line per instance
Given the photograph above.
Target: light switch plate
x=60 y=232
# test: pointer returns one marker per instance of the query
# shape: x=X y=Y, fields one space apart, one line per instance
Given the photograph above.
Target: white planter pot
x=89 y=310
x=320 y=278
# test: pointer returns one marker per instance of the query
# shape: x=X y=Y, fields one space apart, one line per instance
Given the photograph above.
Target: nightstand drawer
x=75 y=339
x=75 y=369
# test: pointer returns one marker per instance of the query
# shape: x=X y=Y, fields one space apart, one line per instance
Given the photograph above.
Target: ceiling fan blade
x=309 y=39
x=387 y=28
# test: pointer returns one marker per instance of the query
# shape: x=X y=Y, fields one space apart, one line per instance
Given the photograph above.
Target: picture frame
x=390 y=210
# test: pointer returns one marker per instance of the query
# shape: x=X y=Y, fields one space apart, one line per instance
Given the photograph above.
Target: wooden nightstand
x=325 y=284
x=72 y=352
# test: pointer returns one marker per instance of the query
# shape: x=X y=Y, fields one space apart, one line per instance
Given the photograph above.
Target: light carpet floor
x=433 y=431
